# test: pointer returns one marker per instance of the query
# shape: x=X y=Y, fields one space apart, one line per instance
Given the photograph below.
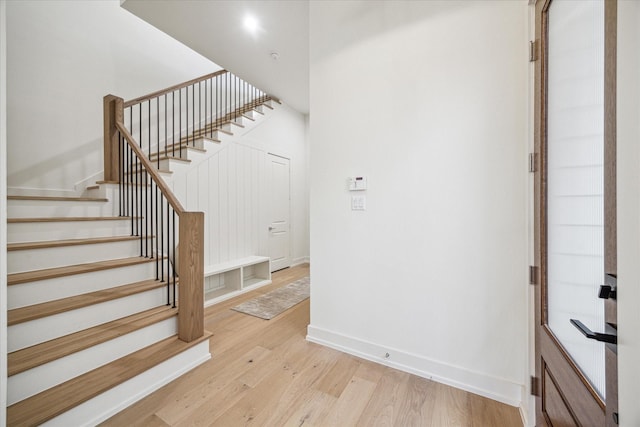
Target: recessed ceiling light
x=251 y=24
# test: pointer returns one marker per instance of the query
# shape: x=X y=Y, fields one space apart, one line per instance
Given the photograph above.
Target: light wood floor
x=264 y=373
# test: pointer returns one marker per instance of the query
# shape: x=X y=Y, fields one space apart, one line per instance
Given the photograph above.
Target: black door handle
x=608 y=338
x=609 y=289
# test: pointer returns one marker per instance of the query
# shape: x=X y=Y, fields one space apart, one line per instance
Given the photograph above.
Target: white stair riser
x=37 y=208
x=109 y=403
x=251 y=115
x=175 y=166
x=221 y=136
x=38 y=231
x=40 y=378
x=40 y=291
x=37 y=331
x=196 y=155
x=59 y=256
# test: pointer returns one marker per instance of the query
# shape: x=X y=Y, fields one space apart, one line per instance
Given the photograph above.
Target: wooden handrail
x=172 y=88
x=151 y=170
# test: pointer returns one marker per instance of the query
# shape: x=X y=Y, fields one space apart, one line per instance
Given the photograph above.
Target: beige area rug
x=271 y=304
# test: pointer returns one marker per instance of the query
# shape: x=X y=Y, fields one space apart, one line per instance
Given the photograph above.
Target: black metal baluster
x=167 y=257
x=173 y=122
x=211 y=101
x=193 y=113
x=179 y=120
x=203 y=130
x=147 y=217
x=217 y=104
x=149 y=134
x=174 y=257
x=157 y=235
x=140 y=125
x=140 y=219
x=120 y=168
x=158 y=130
x=131 y=192
x=165 y=127
x=161 y=237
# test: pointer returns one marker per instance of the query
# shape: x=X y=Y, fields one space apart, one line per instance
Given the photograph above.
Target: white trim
x=524 y=413
x=300 y=260
x=41 y=192
x=3 y=210
x=494 y=388
x=107 y=404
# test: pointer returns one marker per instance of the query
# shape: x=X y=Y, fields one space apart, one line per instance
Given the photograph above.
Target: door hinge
x=533 y=51
x=535 y=386
x=533 y=162
x=533 y=275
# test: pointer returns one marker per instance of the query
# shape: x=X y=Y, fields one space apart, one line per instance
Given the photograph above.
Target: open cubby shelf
x=231 y=278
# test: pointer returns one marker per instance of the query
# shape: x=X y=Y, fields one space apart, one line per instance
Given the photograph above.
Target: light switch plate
x=358 y=203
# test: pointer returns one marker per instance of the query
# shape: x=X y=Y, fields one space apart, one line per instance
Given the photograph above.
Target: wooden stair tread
x=170 y=149
x=50 y=273
x=59 y=399
x=68 y=219
x=59 y=199
x=118 y=183
x=229 y=119
x=70 y=242
x=165 y=157
x=28 y=358
x=49 y=308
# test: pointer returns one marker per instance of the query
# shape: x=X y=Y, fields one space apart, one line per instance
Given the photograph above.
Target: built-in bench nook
x=228 y=279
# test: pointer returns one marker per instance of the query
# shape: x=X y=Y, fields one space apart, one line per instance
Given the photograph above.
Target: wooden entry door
x=576 y=372
x=280 y=209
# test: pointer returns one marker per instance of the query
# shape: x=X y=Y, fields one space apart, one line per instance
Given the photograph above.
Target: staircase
x=86 y=313
x=95 y=319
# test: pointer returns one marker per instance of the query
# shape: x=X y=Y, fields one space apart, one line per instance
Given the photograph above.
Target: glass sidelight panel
x=575 y=203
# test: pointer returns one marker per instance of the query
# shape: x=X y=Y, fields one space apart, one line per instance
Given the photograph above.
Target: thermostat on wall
x=357 y=183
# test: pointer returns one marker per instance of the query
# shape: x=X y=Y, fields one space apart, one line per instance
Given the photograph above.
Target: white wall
x=3 y=211
x=231 y=187
x=63 y=57
x=429 y=100
x=628 y=135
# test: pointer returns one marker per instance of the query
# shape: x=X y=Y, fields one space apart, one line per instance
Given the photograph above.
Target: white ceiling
x=214 y=28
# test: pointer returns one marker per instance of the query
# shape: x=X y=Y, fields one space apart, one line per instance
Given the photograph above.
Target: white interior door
x=279 y=212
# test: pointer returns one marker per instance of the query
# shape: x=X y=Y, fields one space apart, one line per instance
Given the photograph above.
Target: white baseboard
x=301 y=260
x=493 y=388
x=107 y=404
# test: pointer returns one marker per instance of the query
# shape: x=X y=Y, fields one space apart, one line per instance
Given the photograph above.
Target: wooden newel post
x=113 y=112
x=191 y=273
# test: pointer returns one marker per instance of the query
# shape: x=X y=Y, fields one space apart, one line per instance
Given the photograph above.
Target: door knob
x=271 y=228
x=608 y=338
